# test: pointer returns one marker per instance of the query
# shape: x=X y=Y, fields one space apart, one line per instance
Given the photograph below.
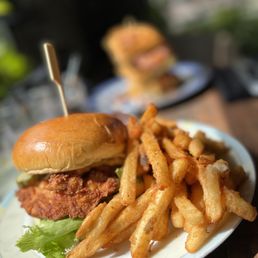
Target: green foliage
x=5 y=7
x=13 y=67
x=242 y=26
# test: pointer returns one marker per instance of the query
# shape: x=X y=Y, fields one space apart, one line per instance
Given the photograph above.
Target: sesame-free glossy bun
x=70 y=143
x=124 y=42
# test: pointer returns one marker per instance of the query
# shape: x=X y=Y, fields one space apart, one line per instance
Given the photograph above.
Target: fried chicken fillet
x=72 y=195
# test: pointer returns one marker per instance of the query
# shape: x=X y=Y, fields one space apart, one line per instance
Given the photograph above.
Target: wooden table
x=240 y=119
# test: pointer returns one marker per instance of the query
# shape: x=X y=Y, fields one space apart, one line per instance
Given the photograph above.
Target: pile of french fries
x=167 y=176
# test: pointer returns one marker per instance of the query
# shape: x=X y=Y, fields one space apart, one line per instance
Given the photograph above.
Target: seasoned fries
x=237 y=205
x=108 y=213
x=89 y=221
x=172 y=150
x=196 y=147
x=167 y=176
x=195 y=239
x=149 y=114
x=134 y=128
x=140 y=239
x=127 y=217
x=157 y=160
x=210 y=182
x=125 y=234
x=177 y=218
x=170 y=124
x=161 y=228
x=128 y=179
x=191 y=214
x=192 y=172
x=182 y=140
x=179 y=168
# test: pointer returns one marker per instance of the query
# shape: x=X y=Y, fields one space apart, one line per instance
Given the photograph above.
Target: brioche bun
x=70 y=143
x=125 y=41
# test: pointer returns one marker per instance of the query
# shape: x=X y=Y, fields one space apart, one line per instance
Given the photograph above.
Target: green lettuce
x=51 y=238
x=119 y=172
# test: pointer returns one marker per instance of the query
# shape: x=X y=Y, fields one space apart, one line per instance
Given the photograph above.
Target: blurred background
x=221 y=35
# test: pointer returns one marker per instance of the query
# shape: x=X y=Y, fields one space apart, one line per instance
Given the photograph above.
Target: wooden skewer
x=54 y=72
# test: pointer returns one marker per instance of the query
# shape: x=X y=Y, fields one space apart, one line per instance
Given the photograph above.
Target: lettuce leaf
x=51 y=238
x=119 y=172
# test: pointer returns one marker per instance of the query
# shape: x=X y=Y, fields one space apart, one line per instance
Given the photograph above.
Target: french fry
x=124 y=235
x=177 y=131
x=236 y=204
x=201 y=136
x=196 y=196
x=143 y=234
x=176 y=217
x=150 y=113
x=221 y=166
x=182 y=140
x=89 y=221
x=169 y=160
x=187 y=226
x=198 y=235
x=132 y=213
x=127 y=217
x=190 y=213
x=161 y=227
x=172 y=150
x=108 y=214
x=127 y=188
x=211 y=145
x=206 y=159
x=156 y=159
x=196 y=147
x=196 y=238
x=210 y=182
x=178 y=168
x=154 y=126
x=134 y=128
x=143 y=160
x=166 y=122
x=192 y=171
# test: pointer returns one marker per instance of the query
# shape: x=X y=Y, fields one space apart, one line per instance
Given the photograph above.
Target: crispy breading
x=67 y=195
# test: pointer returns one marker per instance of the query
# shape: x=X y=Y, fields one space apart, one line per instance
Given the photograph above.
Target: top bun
x=79 y=141
x=125 y=41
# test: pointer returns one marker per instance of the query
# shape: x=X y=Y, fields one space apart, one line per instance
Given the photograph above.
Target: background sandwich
x=141 y=54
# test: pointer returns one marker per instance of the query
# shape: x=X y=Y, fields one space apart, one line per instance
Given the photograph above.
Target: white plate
x=110 y=95
x=13 y=217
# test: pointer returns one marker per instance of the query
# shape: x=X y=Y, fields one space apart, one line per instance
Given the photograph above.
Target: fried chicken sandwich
x=68 y=166
x=141 y=55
